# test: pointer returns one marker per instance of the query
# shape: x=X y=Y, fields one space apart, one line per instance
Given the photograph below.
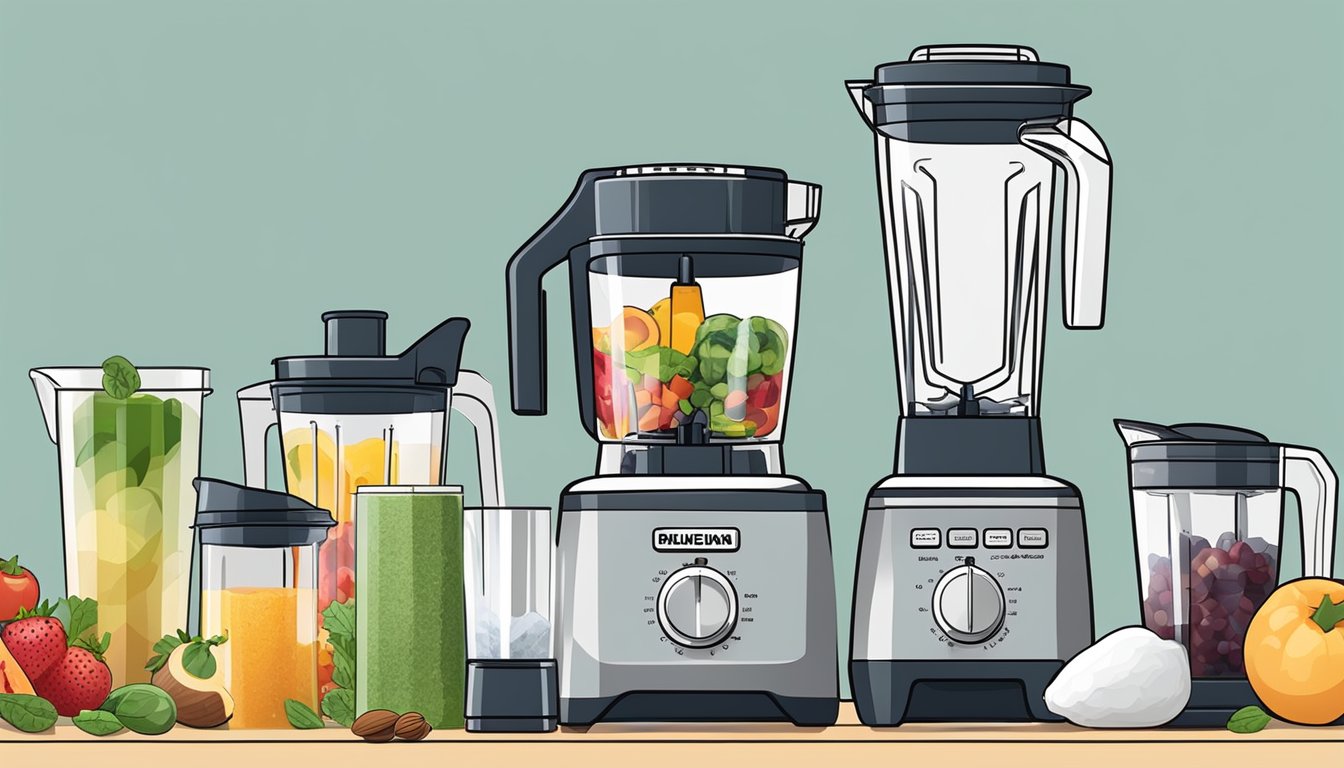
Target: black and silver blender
x=972 y=584
x=693 y=577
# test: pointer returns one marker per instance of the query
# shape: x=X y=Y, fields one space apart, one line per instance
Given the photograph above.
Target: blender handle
x=256 y=415
x=474 y=398
x=1309 y=476
x=1075 y=148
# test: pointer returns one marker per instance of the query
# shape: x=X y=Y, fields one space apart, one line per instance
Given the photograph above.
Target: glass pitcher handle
x=1076 y=149
x=1309 y=476
x=256 y=415
x=474 y=398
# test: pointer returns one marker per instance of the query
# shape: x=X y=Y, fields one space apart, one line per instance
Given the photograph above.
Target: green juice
x=410 y=621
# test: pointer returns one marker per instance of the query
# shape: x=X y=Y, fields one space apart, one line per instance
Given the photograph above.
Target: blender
x=356 y=416
x=971 y=587
x=1208 y=526
x=693 y=577
x=126 y=466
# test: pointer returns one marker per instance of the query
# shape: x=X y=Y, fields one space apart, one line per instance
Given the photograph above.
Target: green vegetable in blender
x=120 y=379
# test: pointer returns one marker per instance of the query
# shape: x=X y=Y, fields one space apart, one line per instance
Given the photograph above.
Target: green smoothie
x=410 y=634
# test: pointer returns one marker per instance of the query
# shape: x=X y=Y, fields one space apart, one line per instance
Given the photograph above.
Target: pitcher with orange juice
x=259 y=588
x=355 y=416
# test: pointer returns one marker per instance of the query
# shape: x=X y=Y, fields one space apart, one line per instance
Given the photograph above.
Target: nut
x=377 y=725
x=412 y=727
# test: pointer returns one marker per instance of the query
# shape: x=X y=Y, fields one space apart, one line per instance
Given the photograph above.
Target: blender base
x=511 y=696
x=888 y=693
x=701 y=707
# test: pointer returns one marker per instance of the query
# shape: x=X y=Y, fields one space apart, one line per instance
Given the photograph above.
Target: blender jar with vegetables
x=259 y=584
x=356 y=416
x=128 y=442
x=1208 y=529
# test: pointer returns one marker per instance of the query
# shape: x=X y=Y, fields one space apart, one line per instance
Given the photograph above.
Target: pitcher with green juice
x=410 y=631
x=129 y=444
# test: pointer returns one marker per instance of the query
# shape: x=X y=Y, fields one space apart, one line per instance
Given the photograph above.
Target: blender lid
x=1199 y=456
x=228 y=514
x=356 y=375
x=968 y=93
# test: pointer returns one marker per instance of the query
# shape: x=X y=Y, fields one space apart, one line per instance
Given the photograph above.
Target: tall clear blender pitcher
x=968 y=141
x=127 y=502
x=356 y=416
x=1208 y=532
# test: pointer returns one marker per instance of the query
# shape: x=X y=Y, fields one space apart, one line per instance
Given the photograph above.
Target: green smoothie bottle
x=410 y=635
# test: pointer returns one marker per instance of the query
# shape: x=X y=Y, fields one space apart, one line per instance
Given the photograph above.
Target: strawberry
x=79 y=681
x=36 y=640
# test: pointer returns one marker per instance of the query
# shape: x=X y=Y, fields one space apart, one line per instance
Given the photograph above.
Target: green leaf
x=120 y=379
x=164 y=648
x=1248 y=720
x=11 y=567
x=344 y=673
x=145 y=709
x=198 y=661
x=30 y=714
x=97 y=722
x=83 y=617
x=339 y=619
x=301 y=716
x=339 y=705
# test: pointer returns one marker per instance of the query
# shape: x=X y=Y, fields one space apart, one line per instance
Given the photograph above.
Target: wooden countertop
x=646 y=746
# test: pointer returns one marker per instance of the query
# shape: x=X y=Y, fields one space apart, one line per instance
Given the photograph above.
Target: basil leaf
x=97 y=722
x=83 y=616
x=198 y=661
x=339 y=705
x=30 y=714
x=1248 y=720
x=301 y=716
x=120 y=379
x=344 y=672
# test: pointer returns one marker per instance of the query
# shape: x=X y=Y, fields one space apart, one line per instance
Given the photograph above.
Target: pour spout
x=1135 y=432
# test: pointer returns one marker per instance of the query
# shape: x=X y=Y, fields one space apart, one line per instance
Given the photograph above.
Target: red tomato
x=18 y=588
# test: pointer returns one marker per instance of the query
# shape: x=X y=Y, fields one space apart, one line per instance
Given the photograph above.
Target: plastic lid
x=674 y=199
x=355 y=375
x=972 y=65
x=1199 y=456
x=232 y=515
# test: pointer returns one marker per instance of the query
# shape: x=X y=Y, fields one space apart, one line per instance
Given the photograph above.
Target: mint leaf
x=344 y=673
x=339 y=705
x=301 y=716
x=30 y=714
x=120 y=379
x=339 y=619
x=97 y=722
x=83 y=617
x=1248 y=720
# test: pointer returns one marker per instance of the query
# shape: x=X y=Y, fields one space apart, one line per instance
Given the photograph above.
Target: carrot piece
x=651 y=418
x=682 y=386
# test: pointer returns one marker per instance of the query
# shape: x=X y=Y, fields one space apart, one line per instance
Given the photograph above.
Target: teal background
x=194 y=183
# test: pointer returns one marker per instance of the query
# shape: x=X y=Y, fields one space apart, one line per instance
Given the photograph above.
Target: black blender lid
x=229 y=514
x=691 y=198
x=1199 y=456
x=356 y=344
x=968 y=93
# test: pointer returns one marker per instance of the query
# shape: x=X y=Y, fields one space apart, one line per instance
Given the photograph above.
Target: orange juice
x=272 y=650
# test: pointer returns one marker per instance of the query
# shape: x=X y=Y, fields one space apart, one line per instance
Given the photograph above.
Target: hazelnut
x=412 y=727
x=376 y=725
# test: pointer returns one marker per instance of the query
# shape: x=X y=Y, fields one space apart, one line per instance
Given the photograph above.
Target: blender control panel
x=987 y=583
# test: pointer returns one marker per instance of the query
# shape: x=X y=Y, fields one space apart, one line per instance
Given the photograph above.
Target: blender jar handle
x=1311 y=479
x=1074 y=147
x=474 y=398
x=256 y=415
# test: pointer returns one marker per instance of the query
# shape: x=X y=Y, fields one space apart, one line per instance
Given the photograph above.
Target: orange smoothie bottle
x=259 y=588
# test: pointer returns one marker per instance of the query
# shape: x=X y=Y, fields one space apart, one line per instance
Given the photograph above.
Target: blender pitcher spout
x=46 y=387
x=856 y=90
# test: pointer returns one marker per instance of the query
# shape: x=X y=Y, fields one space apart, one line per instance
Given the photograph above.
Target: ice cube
x=487 y=633
x=530 y=637
x=1130 y=678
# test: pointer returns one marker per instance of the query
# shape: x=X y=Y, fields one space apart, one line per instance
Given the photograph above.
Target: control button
x=998 y=538
x=1032 y=538
x=962 y=538
x=926 y=538
x=697 y=607
x=968 y=604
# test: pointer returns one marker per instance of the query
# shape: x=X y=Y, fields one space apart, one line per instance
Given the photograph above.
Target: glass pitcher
x=126 y=466
x=1208 y=527
x=357 y=417
x=968 y=139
